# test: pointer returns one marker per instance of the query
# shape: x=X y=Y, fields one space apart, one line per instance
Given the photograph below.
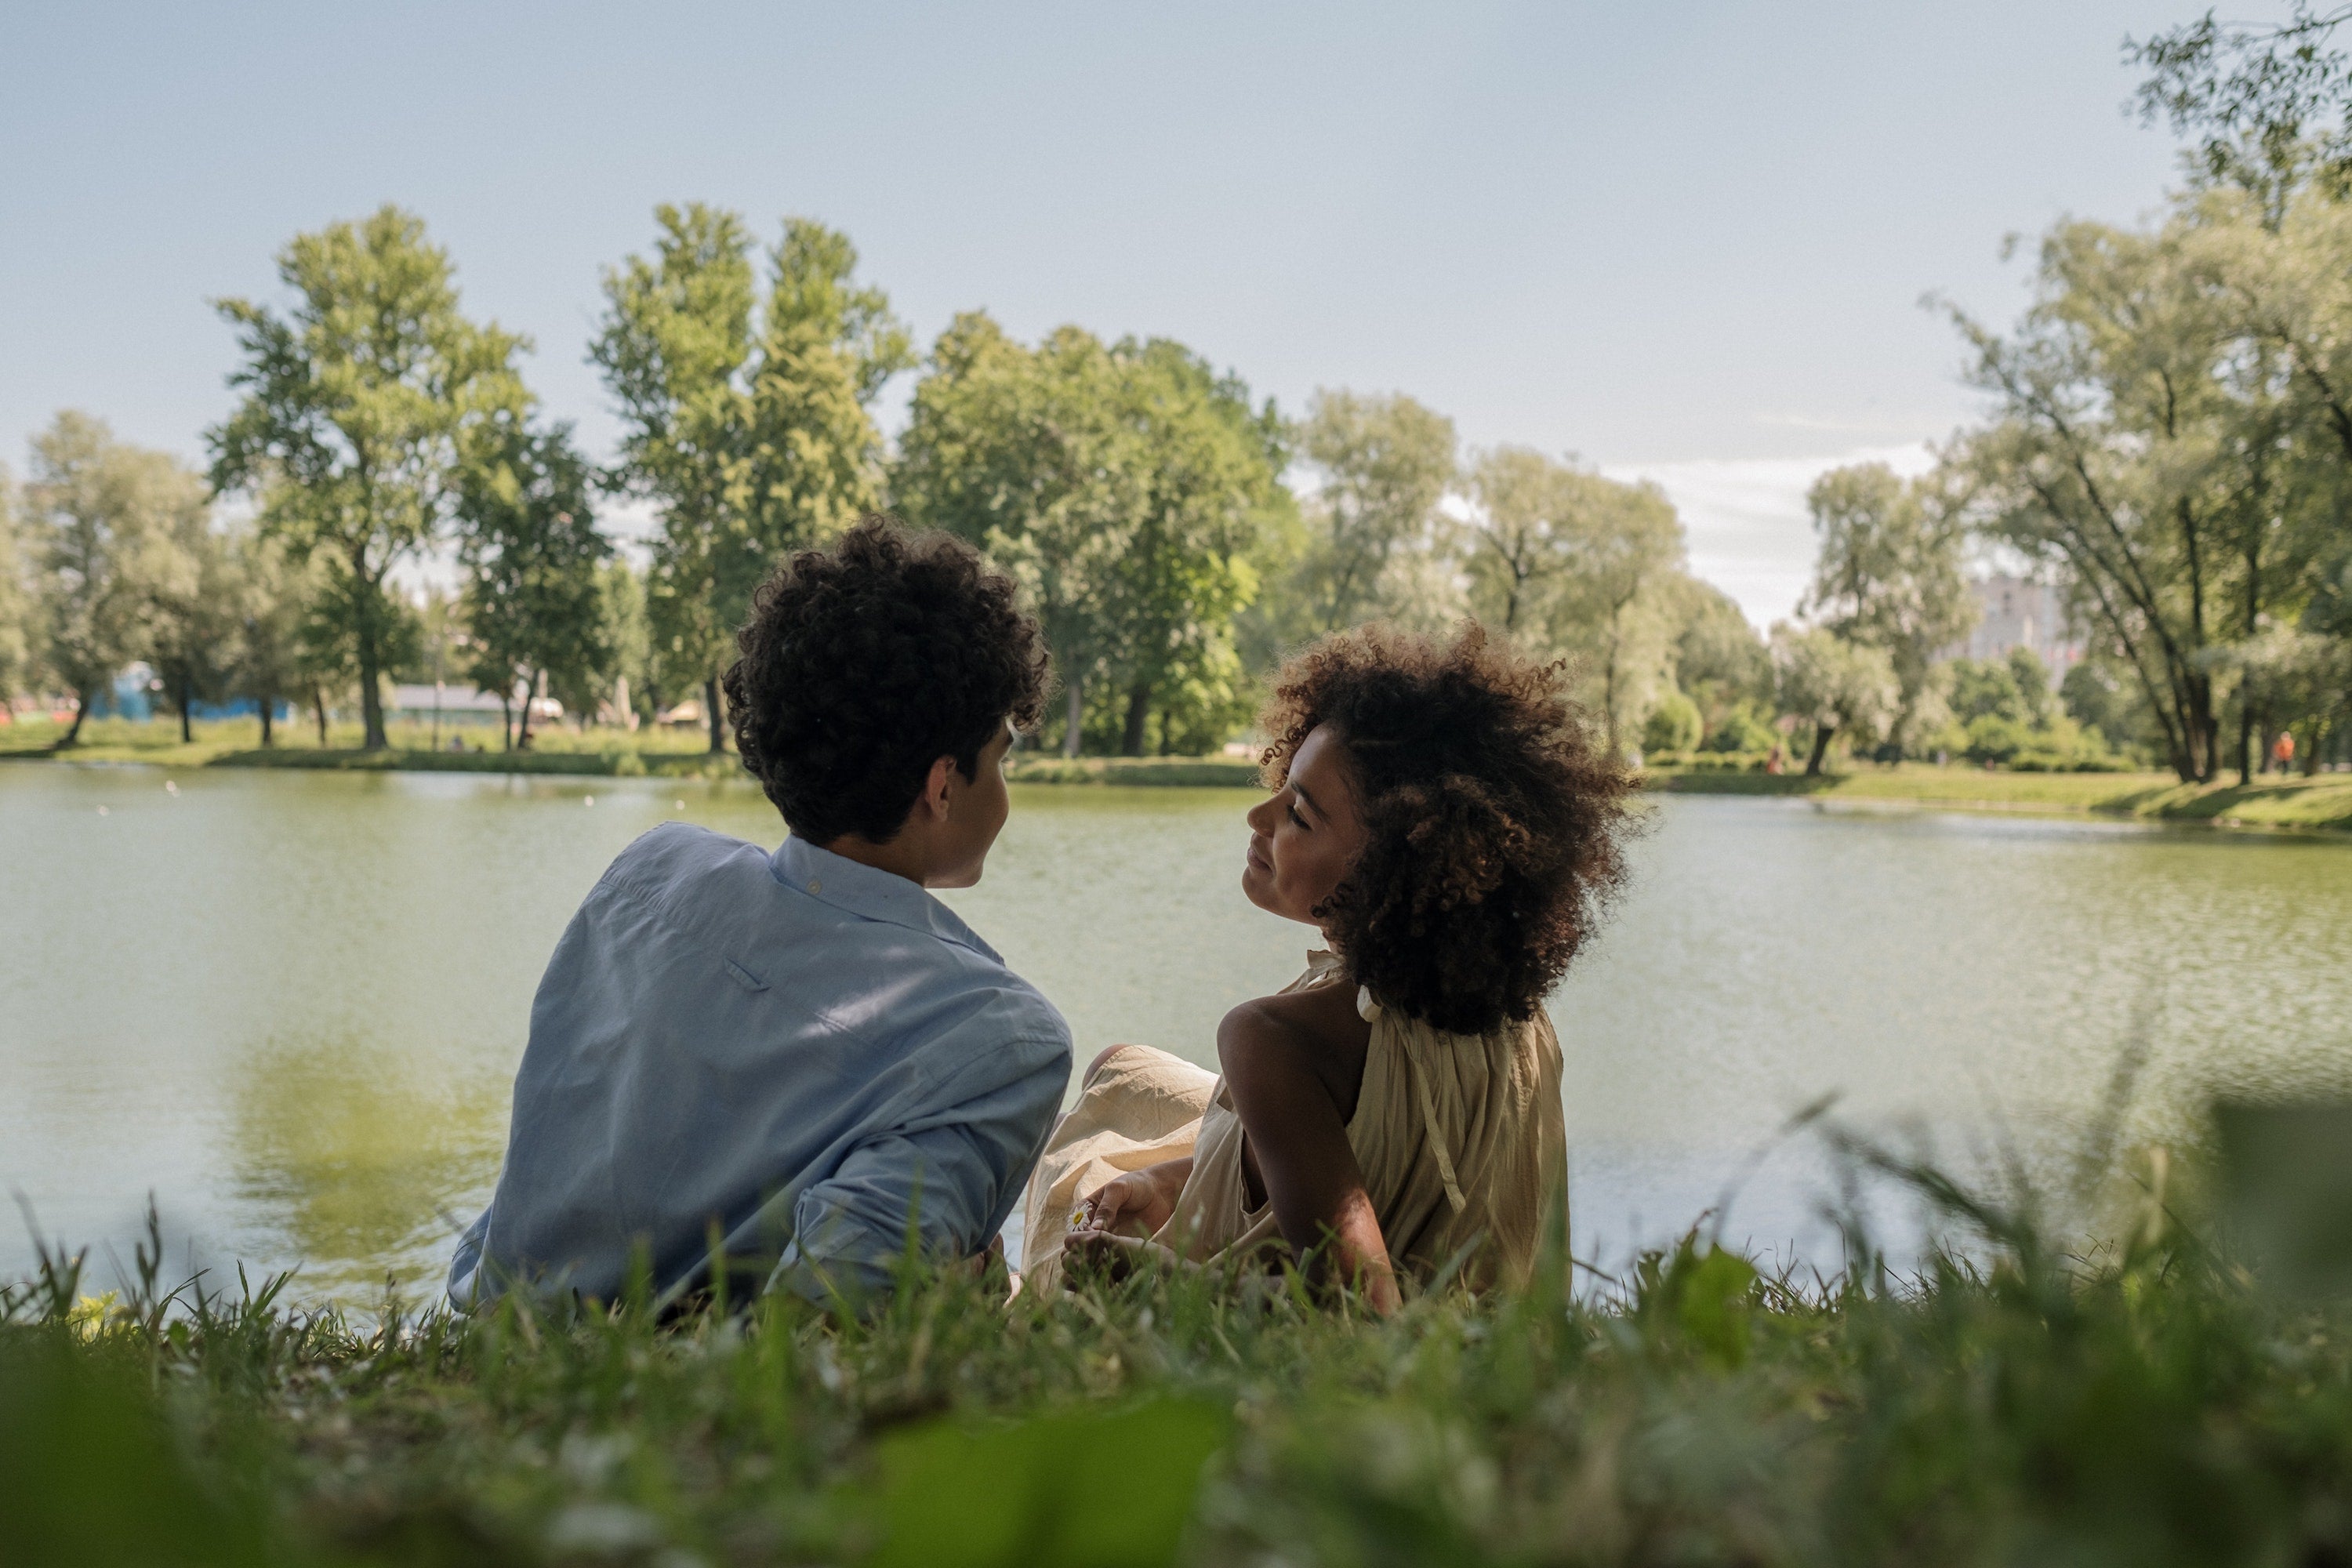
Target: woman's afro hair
x=1493 y=821
x=864 y=663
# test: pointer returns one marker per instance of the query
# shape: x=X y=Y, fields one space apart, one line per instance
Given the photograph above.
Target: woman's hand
x=1135 y=1204
x=1099 y=1254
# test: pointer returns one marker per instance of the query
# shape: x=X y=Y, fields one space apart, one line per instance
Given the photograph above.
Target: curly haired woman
x=1440 y=814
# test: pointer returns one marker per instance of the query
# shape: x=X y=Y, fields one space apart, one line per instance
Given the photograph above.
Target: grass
x=674 y=754
x=2323 y=801
x=2149 y=1405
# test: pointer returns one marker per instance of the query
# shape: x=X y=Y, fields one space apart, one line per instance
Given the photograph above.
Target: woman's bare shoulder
x=1293 y=1030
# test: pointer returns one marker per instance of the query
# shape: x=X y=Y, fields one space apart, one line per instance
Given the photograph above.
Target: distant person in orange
x=1772 y=762
x=2282 y=751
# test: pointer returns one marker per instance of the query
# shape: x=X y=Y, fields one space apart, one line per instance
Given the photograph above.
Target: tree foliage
x=1126 y=486
x=1835 y=686
x=356 y=403
x=533 y=604
x=747 y=429
x=106 y=524
x=1888 y=575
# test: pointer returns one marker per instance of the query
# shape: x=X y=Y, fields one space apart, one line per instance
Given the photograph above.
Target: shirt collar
x=871 y=894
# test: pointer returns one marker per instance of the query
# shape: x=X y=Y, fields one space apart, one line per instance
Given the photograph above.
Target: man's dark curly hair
x=863 y=664
x=1493 y=821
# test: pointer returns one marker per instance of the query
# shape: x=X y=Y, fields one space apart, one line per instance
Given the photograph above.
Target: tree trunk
x=81 y=710
x=717 y=719
x=1074 y=728
x=505 y=720
x=372 y=737
x=1138 y=710
x=318 y=706
x=187 y=698
x=267 y=703
x=2246 y=743
x=523 y=730
x=1822 y=734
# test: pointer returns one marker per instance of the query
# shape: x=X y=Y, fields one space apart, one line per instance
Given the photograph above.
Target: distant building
x=420 y=703
x=2020 y=613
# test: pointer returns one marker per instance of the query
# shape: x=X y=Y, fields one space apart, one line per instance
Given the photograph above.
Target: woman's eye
x=1294 y=816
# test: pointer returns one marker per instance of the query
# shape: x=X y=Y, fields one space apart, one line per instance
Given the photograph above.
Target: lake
x=288 y=1005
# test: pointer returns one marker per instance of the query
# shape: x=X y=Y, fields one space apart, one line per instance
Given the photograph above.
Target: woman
x=1440 y=815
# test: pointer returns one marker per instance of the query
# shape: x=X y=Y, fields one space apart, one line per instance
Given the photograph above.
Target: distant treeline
x=2168 y=440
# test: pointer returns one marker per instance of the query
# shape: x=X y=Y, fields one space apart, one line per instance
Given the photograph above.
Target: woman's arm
x=1278 y=1054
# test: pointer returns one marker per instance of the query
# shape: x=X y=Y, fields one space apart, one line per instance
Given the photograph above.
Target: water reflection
x=358 y=1158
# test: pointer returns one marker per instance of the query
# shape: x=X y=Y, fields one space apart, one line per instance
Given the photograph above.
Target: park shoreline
x=2320 y=803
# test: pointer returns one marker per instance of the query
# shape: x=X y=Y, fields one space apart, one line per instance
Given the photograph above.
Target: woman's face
x=1306 y=835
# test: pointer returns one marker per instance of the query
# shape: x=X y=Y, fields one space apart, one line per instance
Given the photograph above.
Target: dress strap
x=1429 y=1120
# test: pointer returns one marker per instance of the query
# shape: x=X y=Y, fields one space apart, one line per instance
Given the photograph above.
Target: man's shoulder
x=678 y=856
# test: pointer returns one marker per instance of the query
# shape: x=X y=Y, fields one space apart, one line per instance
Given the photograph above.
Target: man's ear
x=935 y=788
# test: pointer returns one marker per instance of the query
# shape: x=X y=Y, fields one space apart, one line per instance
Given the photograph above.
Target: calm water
x=288 y=1006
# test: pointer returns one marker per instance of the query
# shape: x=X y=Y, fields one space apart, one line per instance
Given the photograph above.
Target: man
x=802 y=1053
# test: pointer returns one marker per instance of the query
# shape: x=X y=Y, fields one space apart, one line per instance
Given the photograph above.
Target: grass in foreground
x=2149 y=1407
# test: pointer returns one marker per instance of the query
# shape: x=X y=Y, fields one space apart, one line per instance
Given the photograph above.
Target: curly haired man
x=801 y=1054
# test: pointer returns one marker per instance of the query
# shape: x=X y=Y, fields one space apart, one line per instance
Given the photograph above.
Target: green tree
x=620 y=593
x=18 y=633
x=1523 y=535
x=192 y=615
x=356 y=404
x=2113 y=461
x=1887 y=575
x=1835 y=686
x=1719 y=662
x=1674 y=725
x=752 y=437
x=1127 y=487
x=105 y=520
x=1615 y=609
x=532 y=604
x=1382 y=463
x=274 y=594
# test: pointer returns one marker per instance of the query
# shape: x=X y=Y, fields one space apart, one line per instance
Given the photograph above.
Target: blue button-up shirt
x=800 y=1049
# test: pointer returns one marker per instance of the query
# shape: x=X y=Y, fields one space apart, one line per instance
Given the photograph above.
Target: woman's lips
x=1258 y=860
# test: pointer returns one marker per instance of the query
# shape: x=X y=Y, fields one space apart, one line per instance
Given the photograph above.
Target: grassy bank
x=2323 y=801
x=2148 y=1407
x=237 y=743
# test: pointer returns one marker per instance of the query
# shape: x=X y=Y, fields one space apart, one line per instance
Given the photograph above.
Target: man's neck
x=901 y=857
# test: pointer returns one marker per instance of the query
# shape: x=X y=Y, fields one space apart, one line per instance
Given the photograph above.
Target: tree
x=621 y=595
x=19 y=634
x=1834 y=685
x=2113 y=461
x=532 y=603
x=192 y=615
x=1522 y=534
x=1615 y=607
x=752 y=438
x=356 y=405
x=274 y=597
x=105 y=521
x=1126 y=486
x=1383 y=463
x=1887 y=575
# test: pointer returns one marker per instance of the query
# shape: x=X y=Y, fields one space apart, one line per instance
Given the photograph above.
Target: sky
x=1686 y=242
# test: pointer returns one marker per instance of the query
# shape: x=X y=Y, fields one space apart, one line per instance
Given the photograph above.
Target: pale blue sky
x=1689 y=241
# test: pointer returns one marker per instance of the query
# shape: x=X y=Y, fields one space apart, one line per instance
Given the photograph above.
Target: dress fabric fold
x=1461 y=1138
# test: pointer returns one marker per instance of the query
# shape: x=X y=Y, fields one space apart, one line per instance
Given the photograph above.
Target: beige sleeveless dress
x=1461 y=1139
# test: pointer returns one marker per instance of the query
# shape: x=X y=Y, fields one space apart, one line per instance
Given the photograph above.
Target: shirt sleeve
x=944 y=1180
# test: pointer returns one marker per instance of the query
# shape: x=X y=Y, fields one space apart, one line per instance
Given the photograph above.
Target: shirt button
x=816 y=885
